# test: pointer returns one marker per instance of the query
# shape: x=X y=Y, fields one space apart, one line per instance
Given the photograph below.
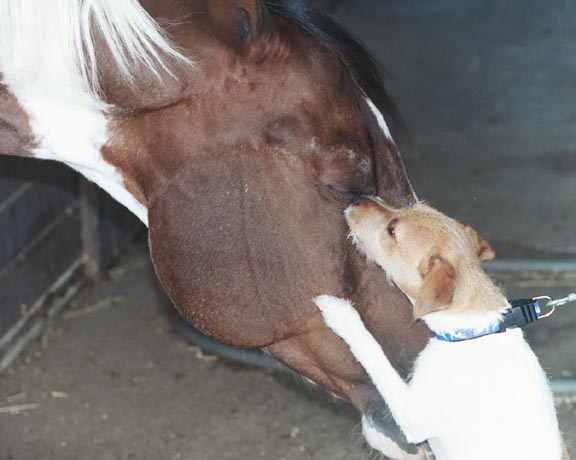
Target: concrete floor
x=487 y=88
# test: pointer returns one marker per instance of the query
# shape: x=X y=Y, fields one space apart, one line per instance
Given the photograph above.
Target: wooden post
x=89 y=223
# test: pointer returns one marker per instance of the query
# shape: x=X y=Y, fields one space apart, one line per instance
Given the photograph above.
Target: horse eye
x=391 y=229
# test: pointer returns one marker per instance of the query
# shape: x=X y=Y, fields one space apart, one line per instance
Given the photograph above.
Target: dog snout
x=365 y=207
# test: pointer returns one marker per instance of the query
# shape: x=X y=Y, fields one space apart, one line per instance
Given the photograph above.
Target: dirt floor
x=487 y=88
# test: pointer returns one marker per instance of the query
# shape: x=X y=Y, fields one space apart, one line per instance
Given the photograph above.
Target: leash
x=520 y=313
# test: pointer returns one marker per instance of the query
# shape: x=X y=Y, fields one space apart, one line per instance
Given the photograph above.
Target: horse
x=238 y=131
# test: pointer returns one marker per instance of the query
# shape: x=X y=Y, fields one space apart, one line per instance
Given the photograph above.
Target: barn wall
x=42 y=253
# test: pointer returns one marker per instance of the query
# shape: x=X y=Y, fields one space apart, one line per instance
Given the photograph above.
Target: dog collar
x=520 y=313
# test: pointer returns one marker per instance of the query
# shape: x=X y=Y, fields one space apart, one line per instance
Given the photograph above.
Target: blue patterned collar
x=520 y=313
x=462 y=334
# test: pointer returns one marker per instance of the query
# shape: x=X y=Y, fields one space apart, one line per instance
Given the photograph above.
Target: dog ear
x=484 y=250
x=438 y=287
x=236 y=22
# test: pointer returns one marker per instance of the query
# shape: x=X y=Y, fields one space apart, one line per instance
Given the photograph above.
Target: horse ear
x=438 y=287
x=484 y=250
x=236 y=22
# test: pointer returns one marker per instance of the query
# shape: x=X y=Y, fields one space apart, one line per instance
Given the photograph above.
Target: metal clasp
x=562 y=301
x=552 y=307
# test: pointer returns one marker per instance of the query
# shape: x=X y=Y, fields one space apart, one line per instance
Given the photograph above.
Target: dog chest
x=482 y=394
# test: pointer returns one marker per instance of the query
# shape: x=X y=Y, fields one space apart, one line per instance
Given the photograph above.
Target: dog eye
x=391 y=229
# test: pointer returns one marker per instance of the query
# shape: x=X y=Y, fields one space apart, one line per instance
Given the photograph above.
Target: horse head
x=244 y=163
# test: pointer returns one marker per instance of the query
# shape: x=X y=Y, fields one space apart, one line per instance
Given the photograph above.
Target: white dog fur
x=486 y=398
x=481 y=399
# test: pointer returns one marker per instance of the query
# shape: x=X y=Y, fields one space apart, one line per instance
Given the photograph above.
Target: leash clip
x=552 y=307
x=523 y=312
x=561 y=301
x=551 y=304
x=526 y=311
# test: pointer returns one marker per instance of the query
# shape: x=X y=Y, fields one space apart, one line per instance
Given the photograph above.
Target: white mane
x=53 y=39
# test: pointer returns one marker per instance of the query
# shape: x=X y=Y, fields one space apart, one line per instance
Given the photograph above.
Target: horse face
x=246 y=179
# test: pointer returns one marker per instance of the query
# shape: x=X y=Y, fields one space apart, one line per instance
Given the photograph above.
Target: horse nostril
x=347 y=195
x=358 y=198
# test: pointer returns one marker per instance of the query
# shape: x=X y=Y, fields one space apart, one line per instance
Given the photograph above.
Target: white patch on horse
x=384 y=127
x=48 y=62
x=70 y=126
x=380 y=119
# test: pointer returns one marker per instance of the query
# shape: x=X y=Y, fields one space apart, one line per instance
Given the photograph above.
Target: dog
x=478 y=399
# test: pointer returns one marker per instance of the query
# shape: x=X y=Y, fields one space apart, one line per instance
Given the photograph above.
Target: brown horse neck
x=244 y=164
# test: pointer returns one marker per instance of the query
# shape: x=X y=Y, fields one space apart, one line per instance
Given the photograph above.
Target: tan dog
x=485 y=398
x=420 y=243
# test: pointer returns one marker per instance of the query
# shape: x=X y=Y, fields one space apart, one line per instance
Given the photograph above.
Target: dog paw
x=338 y=314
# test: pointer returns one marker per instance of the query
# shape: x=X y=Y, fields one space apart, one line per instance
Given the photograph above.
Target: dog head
x=426 y=253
